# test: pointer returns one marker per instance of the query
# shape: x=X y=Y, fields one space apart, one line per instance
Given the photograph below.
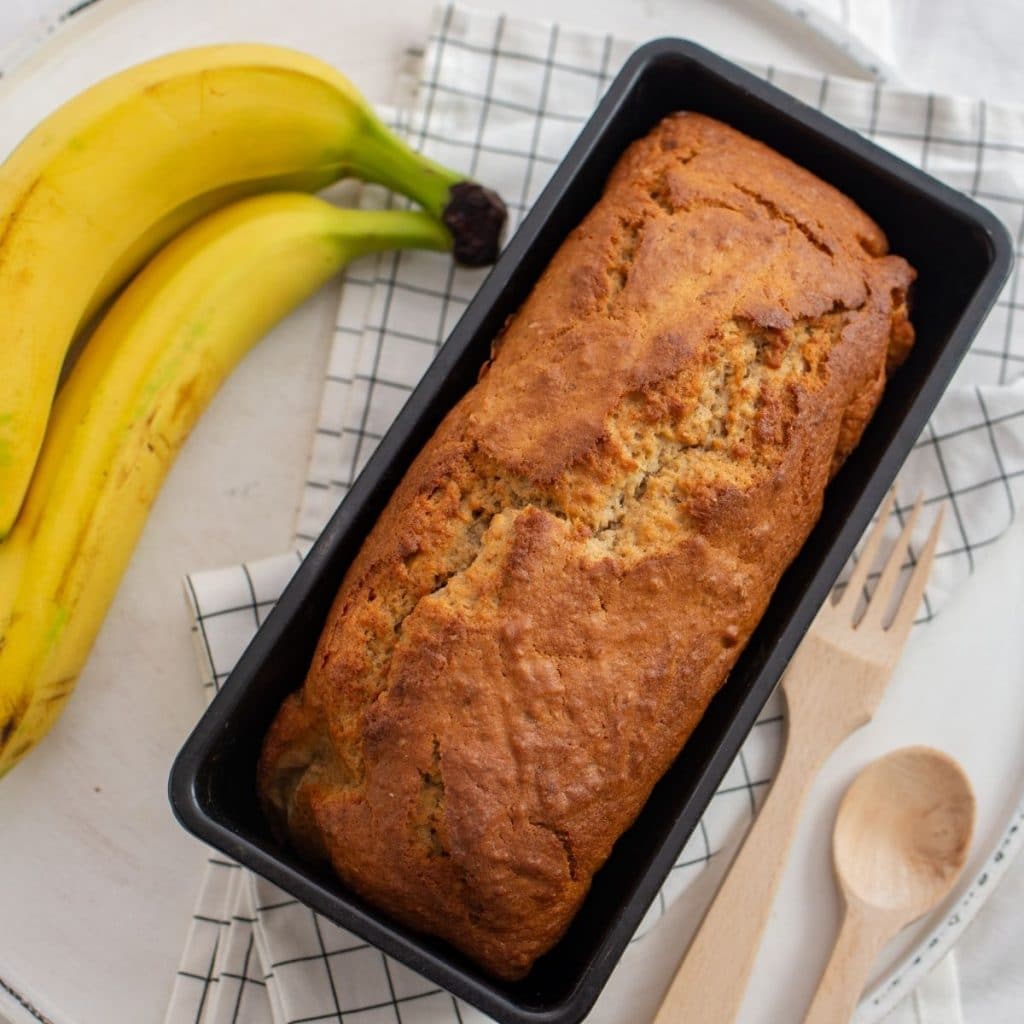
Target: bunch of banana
x=165 y=158
x=104 y=182
x=141 y=382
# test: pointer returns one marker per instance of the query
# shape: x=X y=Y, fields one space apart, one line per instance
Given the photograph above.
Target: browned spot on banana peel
x=13 y=216
x=7 y=731
x=70 y=562
x=183 y=397
x=60 y=690
x=9 y=727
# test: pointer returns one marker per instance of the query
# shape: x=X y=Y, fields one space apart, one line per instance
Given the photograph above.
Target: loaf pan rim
x=186 y=800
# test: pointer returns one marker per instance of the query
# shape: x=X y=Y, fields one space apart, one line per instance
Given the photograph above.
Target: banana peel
x=109 y=178
x=142 y=381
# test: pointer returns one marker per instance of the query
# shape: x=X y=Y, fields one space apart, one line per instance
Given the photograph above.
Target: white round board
x=961 y=696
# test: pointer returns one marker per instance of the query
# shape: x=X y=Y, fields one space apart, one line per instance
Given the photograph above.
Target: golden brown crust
x=568 y=571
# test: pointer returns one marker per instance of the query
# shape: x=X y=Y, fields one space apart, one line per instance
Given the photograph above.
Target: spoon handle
x=860 y=940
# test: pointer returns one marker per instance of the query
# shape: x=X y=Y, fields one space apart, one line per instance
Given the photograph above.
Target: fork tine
x=867 y=555
x=891 y=573
x=911 y=600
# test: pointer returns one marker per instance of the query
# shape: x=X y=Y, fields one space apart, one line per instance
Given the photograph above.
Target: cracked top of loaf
x=571 y=566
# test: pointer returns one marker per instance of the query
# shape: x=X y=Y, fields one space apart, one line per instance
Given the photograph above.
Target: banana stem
x=474 y=215
x=367 y=231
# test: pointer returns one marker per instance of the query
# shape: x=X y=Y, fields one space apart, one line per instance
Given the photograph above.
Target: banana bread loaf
x=570 y=568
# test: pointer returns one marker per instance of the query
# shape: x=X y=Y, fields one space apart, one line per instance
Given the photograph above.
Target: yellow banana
x=143 y=379
x=107 y=179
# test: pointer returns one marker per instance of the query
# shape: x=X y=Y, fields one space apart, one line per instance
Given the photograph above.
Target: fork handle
x=710 y=983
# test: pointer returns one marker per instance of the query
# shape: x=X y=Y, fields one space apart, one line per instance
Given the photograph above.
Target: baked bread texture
x=573 y=563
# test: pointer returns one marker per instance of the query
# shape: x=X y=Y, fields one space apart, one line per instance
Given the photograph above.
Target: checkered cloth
x=504 y=99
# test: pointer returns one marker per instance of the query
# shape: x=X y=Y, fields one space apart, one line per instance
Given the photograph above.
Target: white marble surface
x=228 y=499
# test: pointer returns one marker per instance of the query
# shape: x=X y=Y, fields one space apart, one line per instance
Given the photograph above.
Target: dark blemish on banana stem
x=476 y=218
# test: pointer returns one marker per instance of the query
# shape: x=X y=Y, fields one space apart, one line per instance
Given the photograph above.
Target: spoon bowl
x=901 y=840
x=904 y=830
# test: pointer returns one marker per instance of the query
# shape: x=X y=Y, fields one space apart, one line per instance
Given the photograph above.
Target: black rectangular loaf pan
x=962 y=254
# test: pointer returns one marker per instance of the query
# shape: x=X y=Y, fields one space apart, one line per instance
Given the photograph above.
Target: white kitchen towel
x=504 y=98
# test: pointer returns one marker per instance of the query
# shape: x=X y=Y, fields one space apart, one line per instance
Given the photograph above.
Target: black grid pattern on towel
x=211 y=983
x=241 y=996
x=198 y=976
x=505 y=99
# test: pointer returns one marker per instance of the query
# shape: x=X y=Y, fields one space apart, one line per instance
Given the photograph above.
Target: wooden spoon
x=900 y=842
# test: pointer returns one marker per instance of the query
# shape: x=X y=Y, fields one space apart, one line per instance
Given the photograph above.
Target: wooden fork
x=832 y=687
